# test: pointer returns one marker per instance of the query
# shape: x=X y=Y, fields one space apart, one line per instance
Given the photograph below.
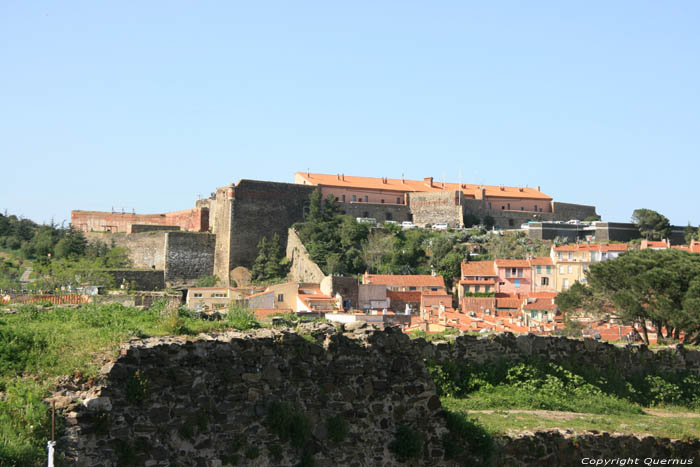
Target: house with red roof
x=478 y=277
x=514 y=275
x=407 y=282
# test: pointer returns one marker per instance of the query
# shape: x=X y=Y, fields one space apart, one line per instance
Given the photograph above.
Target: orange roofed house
x=407 y=283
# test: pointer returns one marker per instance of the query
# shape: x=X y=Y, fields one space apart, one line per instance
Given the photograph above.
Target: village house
x=514 y=275
x=407 y=283
x=477 y=277
x=572 y=261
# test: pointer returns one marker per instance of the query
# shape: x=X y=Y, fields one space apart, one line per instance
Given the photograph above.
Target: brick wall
x=196 y=220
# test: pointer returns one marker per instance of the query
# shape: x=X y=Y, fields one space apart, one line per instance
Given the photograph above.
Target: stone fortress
x=222 y=232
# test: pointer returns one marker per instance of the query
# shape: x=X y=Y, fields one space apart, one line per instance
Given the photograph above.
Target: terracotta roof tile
x=398 y=185
x=541 y=261
x=406 y=296
x=478 y=268
x=512 y=263
x=424 y=280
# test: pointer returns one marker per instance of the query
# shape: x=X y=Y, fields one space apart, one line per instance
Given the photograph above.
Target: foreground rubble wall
x=207 y=401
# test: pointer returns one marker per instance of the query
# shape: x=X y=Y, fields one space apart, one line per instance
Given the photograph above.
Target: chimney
x=342 y=177
x=502 y=188
x=338 y=176
x=428 y=181
x=403 y=182
x=538 y=188
x=520 y=189
x=384 y=180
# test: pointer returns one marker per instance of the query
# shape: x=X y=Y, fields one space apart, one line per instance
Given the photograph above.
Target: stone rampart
x=437 y=207
x=261 y=209
x=146 y=250
x=625 y=360
x=188 y=255
x=211 y=400
x=568 y=211
x=380 y=212
x=303 y=269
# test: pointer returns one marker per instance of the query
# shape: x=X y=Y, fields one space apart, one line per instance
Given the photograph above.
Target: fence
x=67 y=299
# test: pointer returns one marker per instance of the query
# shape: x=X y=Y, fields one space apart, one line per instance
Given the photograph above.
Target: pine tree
x=258 y=270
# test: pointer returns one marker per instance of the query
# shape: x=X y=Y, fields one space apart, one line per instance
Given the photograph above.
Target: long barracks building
x=426 y=201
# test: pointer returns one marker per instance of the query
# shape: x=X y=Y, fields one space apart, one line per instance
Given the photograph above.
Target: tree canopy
x=659 y=286
x=651 y=224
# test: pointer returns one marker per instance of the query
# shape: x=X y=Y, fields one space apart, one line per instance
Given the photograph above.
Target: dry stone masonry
x=334 y=396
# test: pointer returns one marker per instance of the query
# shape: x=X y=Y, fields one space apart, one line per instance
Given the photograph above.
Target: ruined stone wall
x=625 y=360
x=206 y=401
x=196 y=220
x=379 y=211
x=562 y=448
x=146 y=250
x=188 y=255
x=303 y=269
x=568 y=211
x=437 y=207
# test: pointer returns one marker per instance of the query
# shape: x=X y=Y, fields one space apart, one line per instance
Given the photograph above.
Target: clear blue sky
x=146 y=104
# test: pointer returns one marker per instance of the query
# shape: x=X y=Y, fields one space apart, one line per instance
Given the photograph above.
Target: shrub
x=466 y=439
x=241 y=318
x=137 y=390
x=407 y=443
x=338 y=428
x=289 y=423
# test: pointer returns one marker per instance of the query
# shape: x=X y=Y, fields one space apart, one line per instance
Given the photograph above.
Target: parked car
x=408 y=225
x=367 y=220
x=525 y=225
x=574 y=222
x=440 y=226
x=391 y=222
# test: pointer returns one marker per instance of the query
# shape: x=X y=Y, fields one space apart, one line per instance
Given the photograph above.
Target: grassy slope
x=37 y=346
x=671 y=425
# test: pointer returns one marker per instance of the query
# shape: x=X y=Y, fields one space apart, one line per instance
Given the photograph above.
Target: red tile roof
x=398 y=280
x=394 y=184
x=405 y=296
x=512 y=263
x=541 y=261
x=508 y=303
x=478 y=268
x=541 y=304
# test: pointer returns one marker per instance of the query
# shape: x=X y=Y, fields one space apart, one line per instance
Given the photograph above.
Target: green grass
x=38 y=346
x=499 y=422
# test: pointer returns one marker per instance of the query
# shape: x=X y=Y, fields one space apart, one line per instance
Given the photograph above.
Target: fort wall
x=146 y=250
x=196 y=220
x=188 y=255
x=261 y=209
x=437 y=207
